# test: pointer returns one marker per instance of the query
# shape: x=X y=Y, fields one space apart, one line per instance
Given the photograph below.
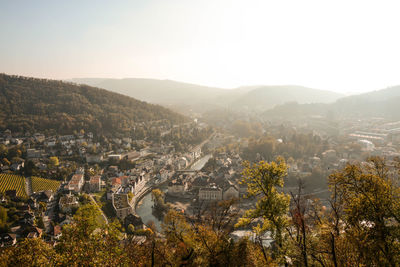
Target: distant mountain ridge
x=31 y=104
x=380 y=103
x=267 y=97
x=169 y=92
x=153 y=90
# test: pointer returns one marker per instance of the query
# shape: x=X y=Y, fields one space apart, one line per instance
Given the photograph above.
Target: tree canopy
x=30 y=104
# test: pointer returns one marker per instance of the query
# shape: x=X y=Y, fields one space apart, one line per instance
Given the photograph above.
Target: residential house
x=56 y=232
x=95 y=183
x=68 y=202
x=44 y=196
x=35 y=233
x=76 y=183
x=177 y=187
x=8 y=240
x=39 y=137
x=231 y=192
x=16 y=166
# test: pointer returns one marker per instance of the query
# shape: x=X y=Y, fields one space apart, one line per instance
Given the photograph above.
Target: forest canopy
x=31 y=104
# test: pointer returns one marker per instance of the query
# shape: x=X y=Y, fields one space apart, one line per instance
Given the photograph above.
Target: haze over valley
x=235 y=142
x=202 y=98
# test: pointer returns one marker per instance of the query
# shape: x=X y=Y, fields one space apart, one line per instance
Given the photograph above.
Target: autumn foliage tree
x=358 y=226
x=370 y=196
x=263 y=180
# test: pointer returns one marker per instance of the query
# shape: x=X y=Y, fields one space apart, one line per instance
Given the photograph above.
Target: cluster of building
x=28 y=213
x=154 y=163
x=221 y=183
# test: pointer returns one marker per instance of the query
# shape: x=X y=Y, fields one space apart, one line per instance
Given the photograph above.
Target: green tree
x=29 y=168
x=3 y=219
x=159 y=203
x=40 y=223
x=131 y=229
x=53 y=162
x=3 y=151
x=263 y=180
x=79 y=244
x=371 y=205
x=29 y=252
x=6 y=161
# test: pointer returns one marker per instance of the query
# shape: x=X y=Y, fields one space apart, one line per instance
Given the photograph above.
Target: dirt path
x=102 y=213
x=28 y=185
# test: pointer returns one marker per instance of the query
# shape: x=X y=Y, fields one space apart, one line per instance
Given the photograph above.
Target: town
x=45 y=179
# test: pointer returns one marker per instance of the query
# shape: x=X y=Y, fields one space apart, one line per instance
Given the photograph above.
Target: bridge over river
x=144 y=203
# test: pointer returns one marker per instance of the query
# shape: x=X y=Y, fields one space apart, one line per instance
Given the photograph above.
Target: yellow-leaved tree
x=270 y=215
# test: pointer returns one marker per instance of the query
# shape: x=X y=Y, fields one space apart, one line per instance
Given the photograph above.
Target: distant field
x=12 y=182
x=41 y=184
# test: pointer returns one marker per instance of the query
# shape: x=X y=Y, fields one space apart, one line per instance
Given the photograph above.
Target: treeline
x=202 y=242
x=187 y=136
x=30 y=104
x=297 y=146
x=360 y=226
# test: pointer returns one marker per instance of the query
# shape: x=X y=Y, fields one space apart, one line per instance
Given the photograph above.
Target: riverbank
x=143 y=205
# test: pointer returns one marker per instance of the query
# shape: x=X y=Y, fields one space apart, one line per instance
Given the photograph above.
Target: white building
x=76 y=183
x=210 y=193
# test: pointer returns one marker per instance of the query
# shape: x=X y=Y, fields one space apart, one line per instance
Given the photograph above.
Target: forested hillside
x=30 y=104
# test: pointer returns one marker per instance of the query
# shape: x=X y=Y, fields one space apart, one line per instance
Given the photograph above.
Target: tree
x=29 y=168
x=130 y=196
x=3 y=151
x=371 y=205
x=159 y=203
x=263 y=179
x=29 y=252
x=131 y=229
x=79 y=245
x=53 y=162
x=14 y=152
x=40 y=222
x=3 y=219
x=6 y=161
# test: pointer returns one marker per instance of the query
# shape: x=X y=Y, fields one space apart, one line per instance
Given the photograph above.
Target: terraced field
x=41 y=184
x=13 y=182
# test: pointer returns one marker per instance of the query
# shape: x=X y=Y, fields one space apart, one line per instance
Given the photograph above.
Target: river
x=144 y=208
x=145 y=211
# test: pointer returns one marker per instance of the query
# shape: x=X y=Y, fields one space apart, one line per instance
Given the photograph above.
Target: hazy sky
x=335 y=45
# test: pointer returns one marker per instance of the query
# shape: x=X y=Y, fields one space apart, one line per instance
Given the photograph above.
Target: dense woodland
x=49 y=106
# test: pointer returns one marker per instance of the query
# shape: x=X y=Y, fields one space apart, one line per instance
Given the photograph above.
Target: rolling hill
x=203 y=98
x=156 y=91
x=380 y=103
x=266 y=97
x=31 y=104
